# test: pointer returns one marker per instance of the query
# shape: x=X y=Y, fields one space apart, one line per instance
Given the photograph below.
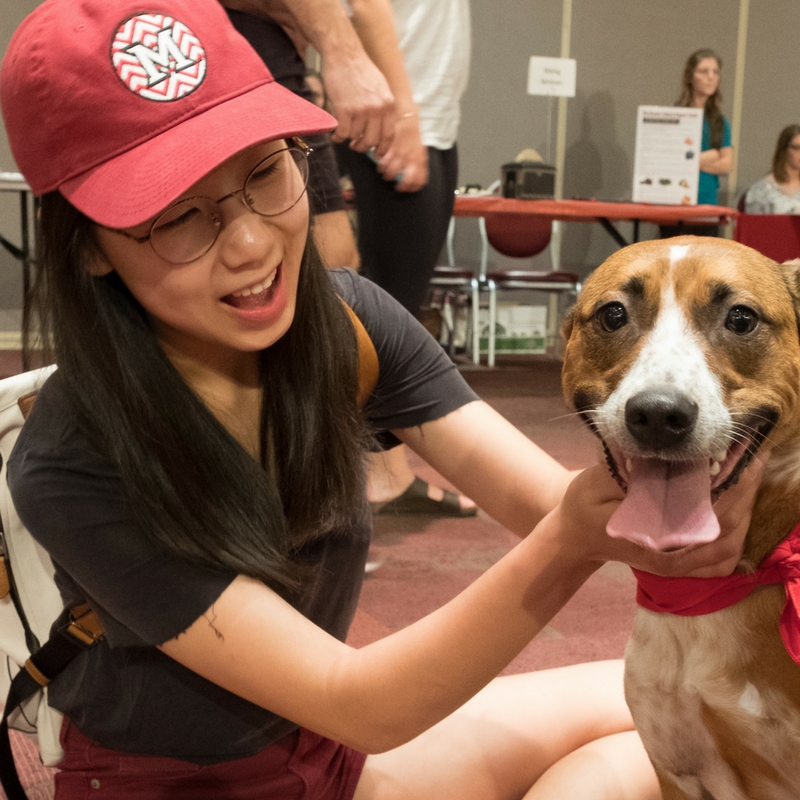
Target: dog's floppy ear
x=791 y=274
x=567 y=322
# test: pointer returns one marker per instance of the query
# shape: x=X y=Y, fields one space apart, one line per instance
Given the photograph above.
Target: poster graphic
x=667 y=159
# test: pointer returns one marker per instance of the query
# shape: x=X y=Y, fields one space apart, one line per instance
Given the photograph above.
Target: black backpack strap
x=78 y=630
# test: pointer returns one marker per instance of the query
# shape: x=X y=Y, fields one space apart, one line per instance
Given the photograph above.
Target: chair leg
x=555 y=246
x=492 y=286
x=552 y=320
x=476 y=328
x=451 y=233
x=449 y=322
x=484 y=247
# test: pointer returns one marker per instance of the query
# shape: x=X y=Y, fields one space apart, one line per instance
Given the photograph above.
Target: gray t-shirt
x=766 y=197
x=125 y=694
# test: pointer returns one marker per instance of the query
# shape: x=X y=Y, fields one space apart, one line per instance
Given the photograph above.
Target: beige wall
x=771 y=86
x=629 y=53
x=11 y=14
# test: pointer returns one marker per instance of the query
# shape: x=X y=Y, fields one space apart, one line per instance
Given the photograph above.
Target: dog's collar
x=689 y=597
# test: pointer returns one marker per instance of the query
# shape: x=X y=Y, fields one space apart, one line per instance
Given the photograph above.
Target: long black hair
x=194 y=490
x=712 y=110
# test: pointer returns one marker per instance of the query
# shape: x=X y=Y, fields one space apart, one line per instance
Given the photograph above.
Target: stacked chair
x=515 y=237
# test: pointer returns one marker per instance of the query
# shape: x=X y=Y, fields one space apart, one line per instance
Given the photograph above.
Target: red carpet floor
x=426 y=561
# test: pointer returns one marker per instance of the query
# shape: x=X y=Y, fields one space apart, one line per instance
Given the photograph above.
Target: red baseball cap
x=121 y=105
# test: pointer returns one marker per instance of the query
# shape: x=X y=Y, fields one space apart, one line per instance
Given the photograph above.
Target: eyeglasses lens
x=277 y=183
x=188 y=229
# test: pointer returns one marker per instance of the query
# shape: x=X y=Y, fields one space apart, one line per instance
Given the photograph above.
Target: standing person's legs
x=333 y=234
x=560 y=733
x=400 y=236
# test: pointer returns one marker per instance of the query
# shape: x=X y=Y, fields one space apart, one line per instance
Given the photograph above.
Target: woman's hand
x=718 y=558
x=584 y=511
x=407 y=158
x=362 y=103
x=360 y=93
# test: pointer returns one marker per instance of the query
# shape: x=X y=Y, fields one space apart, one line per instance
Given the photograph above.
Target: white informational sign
x=552 y=76
x=667 y=162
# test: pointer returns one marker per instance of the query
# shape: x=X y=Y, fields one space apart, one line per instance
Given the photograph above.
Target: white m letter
x=160 y=63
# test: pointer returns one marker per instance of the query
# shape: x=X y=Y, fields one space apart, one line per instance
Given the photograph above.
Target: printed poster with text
x=667 y=161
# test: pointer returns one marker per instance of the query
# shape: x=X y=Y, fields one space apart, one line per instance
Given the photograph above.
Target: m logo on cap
x=158 y=57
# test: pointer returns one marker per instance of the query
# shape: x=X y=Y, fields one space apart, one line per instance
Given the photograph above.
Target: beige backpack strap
x=368 y=366
x=84 y=624
x=25 y=405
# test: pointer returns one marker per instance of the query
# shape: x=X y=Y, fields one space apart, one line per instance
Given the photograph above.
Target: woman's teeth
x=256 y=288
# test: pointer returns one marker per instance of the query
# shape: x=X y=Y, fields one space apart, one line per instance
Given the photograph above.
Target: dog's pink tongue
x=667 y=505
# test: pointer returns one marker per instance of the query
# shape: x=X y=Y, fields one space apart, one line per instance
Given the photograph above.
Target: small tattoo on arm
x=211 y=617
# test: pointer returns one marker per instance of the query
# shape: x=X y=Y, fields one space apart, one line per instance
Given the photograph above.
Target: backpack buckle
x=83 y=625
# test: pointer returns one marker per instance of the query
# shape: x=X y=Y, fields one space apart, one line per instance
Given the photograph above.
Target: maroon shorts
x=300 y=767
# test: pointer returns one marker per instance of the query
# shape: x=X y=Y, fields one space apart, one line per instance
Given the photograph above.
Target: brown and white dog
x=683 y=356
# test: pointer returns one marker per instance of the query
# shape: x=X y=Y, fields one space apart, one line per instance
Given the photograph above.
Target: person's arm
x=335 y=240
x=717 y=161
x=758 y=198
x=256 y=645
x=374 y=23
x=474 y=445
x=362 y=100
x=375 y=698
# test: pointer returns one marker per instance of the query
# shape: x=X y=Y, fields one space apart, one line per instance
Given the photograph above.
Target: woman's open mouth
x=256 y=295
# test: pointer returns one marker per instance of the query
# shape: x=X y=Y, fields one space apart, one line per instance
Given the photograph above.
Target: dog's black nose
x=660 y=418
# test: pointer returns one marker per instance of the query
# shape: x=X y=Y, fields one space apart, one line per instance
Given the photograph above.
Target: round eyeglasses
x=188 y=229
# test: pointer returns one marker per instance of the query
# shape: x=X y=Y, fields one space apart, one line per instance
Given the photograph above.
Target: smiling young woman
x=194 y=467
x=209 y=273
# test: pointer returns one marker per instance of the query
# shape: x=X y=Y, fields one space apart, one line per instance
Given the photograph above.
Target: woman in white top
x=779 y=192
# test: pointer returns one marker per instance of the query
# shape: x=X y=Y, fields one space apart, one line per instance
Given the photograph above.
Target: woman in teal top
x=700 y=89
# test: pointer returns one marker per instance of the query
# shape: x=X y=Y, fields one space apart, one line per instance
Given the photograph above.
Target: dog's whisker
x=743 y=433
x=571 y=415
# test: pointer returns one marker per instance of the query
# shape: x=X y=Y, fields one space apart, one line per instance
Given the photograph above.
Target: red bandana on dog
x=688 y=597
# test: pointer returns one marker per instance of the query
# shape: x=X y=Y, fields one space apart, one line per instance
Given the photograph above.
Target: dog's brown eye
x=741 y=320
x=612 y=317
